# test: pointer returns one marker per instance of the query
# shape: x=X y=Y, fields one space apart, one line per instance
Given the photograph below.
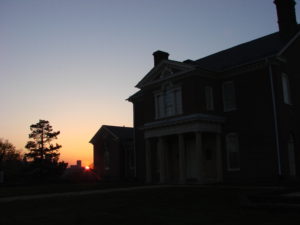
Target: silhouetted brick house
x=113 y=153
x=232 y=116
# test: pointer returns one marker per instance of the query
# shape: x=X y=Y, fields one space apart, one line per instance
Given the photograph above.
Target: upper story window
x=168 y=102
x=209 y=98
x=233 y=153
x=229 y=99
x=286 y=89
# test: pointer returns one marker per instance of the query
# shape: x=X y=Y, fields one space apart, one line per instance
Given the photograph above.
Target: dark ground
x=165 y=206
x=16 y=190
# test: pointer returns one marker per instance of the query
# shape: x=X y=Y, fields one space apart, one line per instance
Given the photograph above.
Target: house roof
x=139 y=93
x=118 y=132
x=244 y=53
x=248 y=52
x=121 y=132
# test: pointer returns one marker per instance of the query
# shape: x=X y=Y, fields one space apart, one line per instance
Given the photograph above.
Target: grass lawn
x=58 y=188
x=165 y=206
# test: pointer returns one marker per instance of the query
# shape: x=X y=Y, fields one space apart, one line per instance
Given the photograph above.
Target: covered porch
x=184 y=150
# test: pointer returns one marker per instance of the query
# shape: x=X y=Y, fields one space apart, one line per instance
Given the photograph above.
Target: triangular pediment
x=165 y=70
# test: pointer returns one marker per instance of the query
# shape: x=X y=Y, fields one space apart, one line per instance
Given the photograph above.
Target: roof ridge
x=259 y=48
x=116 y=126
x=238 y=45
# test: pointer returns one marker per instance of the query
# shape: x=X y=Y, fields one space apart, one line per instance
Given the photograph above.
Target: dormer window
x=168 y=102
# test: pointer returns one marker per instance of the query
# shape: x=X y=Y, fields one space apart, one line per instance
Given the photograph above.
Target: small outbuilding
x=113 y=153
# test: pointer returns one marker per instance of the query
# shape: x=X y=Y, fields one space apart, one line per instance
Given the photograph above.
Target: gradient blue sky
x=74 y=62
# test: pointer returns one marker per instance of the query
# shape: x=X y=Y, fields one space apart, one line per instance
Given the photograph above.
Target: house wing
x=120 y=132
x=97 y=136
x=165 y=70
x=114 y=131
x=103 y=132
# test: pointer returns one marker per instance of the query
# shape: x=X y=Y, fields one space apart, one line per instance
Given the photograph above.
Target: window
x=106 y=157
x=168 y=102
x=208 y=154
x=291 y=154
x=131 y=158
x=229 y=101
x=159 y=105
x=233 y=155
x=286 y=89
x=209 y=98
x=130 y=153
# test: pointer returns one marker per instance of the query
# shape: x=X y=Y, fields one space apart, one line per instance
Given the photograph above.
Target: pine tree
x=40 y=148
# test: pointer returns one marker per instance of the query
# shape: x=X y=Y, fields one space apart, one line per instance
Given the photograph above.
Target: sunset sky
x=75 y=62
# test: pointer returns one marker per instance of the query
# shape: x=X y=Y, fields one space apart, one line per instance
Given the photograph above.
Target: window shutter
x=286 y=89
x=159 y=108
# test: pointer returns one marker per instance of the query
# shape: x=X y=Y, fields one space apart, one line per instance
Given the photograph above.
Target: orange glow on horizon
x=76 y=131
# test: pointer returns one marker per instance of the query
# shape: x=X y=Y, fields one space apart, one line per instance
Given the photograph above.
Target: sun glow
x=87 y=168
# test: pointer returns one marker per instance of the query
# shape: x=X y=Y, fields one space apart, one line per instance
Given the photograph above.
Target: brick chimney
x=160 y=56
x=286 y=18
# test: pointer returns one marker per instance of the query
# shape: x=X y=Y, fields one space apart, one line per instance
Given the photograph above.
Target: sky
x=75 y=62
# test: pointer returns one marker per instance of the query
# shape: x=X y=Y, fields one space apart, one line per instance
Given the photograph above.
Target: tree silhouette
x=42 y=159
x=10 y=159
x=40 y=148
x=8 y=151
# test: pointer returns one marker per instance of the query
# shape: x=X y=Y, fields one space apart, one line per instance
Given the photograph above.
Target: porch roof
x=185 y=119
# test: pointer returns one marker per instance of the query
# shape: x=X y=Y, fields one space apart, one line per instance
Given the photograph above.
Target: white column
x=161 y=156
x=181 y=149
x=219 y=158
x=199 y=157
x=148 y=160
